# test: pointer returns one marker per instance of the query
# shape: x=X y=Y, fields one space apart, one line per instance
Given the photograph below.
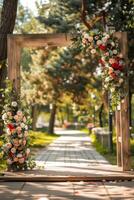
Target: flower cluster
x=16 y=127
x=106 y=47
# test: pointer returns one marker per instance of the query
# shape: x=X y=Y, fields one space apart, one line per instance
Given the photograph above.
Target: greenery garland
x=106 y=47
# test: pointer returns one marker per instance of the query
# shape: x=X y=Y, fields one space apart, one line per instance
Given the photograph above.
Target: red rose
x=116 y=66
x=10 y=126
x=102 y=47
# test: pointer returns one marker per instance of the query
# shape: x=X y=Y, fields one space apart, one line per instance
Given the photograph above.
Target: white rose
x=22 y=125
x=93 y=51
x=121 y=80
x=86 y=35
x=26 y=127
x=8 y=131
x=90 y=39
x=13 y=150
x=115 y=51
x=113 y=44
x=104 y=39
x=9 y=161
x=99 y=42
x=14 y=104
x=107 y=79
x=112 y=89
x=28 y=151
x=4 y=116
x=20 y=135
x=19 y=155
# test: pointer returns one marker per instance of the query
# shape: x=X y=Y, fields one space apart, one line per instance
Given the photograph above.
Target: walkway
x=70 y=154
x=67 y=191
x=73 y=154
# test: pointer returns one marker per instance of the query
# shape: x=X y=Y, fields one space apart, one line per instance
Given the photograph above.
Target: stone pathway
x=72 y=154
x=67 y=191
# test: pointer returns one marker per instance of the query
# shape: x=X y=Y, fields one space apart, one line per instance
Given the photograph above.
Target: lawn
x=111 y=157
x=37 y=140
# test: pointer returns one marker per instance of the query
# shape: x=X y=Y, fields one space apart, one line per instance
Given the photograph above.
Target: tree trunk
x=7 y=23
x=100 y=116
x=52 y=119
x=34 y=116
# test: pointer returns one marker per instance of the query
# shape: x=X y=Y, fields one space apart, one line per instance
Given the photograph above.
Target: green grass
x=40 y=139
x=85 y=130
x=111 y=157
x=37 y=140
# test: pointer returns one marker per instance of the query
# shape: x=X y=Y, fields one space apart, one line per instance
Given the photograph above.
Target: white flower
x=90 y=39
x=104 y=39
x=99 y=42
x=20 y=135
x=26 y=127
x=86 y=35
x=113 y=44
x=14 y=104
x=19 y=155
x=28 y=151
x=121 y=80
x=13 y=150
x=24 y=119
x=112 y=89
x=115 y=51
x=9 y=114
x=9 y=161
x=93 y=51
x=8 y=131
x=22 y=125
x=107 y=79
x=4 y=116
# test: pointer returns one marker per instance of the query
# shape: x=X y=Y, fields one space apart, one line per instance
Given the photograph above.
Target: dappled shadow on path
x=67 y=191
x=72 y=154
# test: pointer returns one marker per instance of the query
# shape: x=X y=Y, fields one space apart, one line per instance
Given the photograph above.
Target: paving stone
x=120 y=190
x=10 y=190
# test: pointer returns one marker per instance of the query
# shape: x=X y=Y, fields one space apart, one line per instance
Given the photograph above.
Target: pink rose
x=21 y=160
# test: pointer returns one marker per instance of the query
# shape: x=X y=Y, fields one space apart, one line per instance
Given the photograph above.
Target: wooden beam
x=40 y=40
x=66 y=178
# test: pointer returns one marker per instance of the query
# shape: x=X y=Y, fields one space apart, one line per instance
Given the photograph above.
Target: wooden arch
x=17 y=42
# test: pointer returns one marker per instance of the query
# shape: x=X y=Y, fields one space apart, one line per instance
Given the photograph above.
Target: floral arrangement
x=106 y=47
x=16 y=123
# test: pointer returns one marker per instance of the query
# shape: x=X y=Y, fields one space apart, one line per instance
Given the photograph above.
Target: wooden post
x=118 y=137
x=124 y=133
x=14 y=53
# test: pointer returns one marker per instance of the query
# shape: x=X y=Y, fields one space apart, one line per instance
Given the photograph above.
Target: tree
x=7 y=23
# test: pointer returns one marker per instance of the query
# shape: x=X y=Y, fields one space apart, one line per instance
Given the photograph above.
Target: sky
x=31 y=3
